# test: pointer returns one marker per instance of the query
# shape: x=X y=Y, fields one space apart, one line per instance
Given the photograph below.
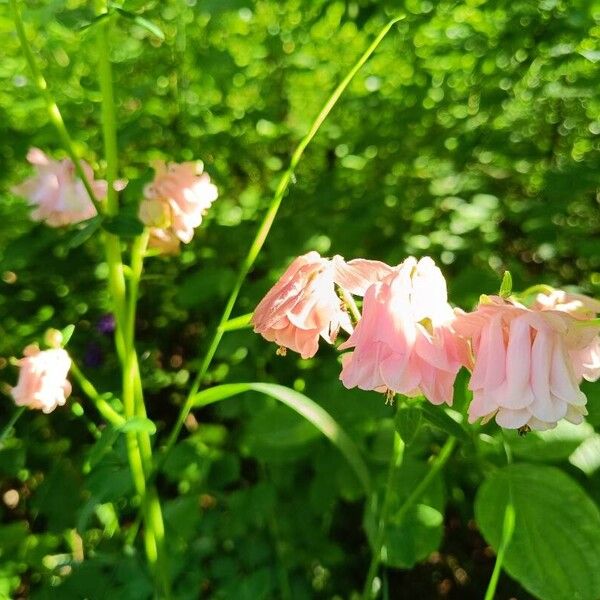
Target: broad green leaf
x=555 y=549
x=408 y=421
x=438 y=416
x=304 y=406
x=552 y=445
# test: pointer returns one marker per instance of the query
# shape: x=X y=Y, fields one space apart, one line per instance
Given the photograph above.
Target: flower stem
x=11 y=423
x=51 y=106
x=508 y=528
x=437 y=464
x=102 y=406
x=396 y=456
x=139 y=447
x=264 y=228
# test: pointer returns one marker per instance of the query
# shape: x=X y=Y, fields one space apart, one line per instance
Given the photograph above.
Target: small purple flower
x=106 y=324
x=93 y=356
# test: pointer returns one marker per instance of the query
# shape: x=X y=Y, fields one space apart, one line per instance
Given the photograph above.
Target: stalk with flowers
x=526 y=354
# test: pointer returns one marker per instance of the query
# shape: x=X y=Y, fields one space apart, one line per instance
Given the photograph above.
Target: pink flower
x=586 y=351
x=176 y=201
x=43 y=379
x=404 y=342
x=302 y=306
x=526 y=370
x=58 y=195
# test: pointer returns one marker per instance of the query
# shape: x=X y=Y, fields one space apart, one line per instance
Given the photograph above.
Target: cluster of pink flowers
x=526 y=363
x=175 y=203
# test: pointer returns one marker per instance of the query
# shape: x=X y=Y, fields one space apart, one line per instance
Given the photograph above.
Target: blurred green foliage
x=471 y=136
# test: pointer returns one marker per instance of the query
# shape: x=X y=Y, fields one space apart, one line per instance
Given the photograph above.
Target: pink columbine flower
x=404 y=342
x=302 y=306
x=42 y=380
x=526 y=371
x=175 y=202
x=58 y=196
x=585 y=352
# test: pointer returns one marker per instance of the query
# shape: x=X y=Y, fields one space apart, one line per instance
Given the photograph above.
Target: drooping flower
x=58 y=196
x=526 y=372
x=175 y=202
x=585 y=353
x=42 y=380
x=404 y=342
x=302 y=306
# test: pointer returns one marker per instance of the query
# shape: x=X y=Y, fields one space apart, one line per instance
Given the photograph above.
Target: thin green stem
x=11 y=423
x=436 y=466
x=508 y=528
x=51 y=106
x=396 y=457
x=139 y=448
x=102 y=406
x=265 y=228
x=351 y=305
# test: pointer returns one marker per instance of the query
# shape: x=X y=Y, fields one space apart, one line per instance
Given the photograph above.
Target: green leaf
x=408 y=421
x=305 y=407
x=438 y=416
x=142 y=22
x=138 y=425
x=67 y=334
x=555 y=548
x=84 y=233
x=547 y=446
x=123 y=225
x=506 y=285
x=411 y=535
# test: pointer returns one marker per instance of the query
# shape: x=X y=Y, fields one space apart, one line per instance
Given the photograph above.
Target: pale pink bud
x=404 y=342
x=56 y=193
x=301 y=307
x=526 y=371
x=177 y=199
x=42 y=380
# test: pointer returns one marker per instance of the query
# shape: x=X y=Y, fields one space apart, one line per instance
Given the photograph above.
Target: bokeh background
x=471 y=136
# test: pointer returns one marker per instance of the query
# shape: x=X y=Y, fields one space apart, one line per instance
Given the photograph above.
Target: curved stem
x=508 y=528
x=437 y=464
x=102 y=406
x=51 y=106
x=264 y=229
x=395 y=462
x=11 y=422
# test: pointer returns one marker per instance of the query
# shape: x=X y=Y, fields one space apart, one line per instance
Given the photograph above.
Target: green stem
x=436 y=466
x=351 y=305
x=139 y=448
x=11 y=423
x=396 y=456
x=508 y=529
x=264 y=229
x=51 y=106
x=102 y=406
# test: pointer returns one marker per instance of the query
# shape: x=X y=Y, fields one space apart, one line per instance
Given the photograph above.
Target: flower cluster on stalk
x=526 y=361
